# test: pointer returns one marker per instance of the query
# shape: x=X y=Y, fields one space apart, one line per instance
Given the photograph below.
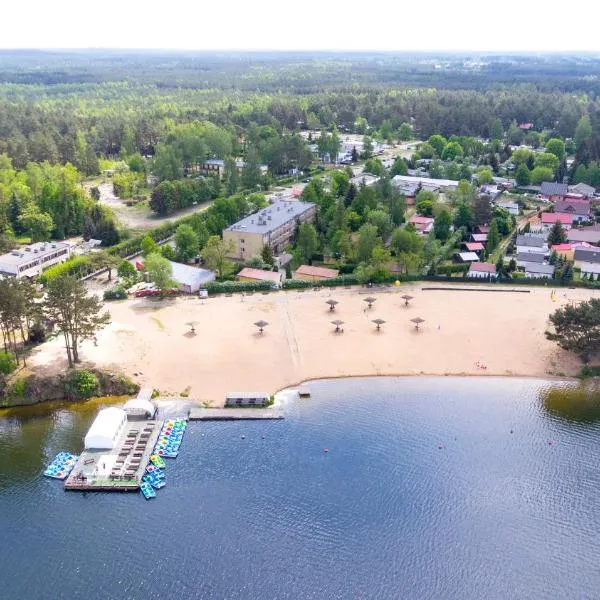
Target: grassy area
x=24 y=239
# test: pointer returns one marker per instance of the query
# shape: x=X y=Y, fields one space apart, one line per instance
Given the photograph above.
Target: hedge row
x=79 y=266
x=232 y=287
x=299 y=284
x=449 y=269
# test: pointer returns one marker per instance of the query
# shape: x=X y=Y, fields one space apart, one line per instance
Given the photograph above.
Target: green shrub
x=589 y=371
x=7 y=363
x=18 y=388
x=81 y=384
x=116 y=293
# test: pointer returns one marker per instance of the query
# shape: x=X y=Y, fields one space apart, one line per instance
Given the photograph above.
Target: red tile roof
x=260 y=275
x=474 y=246
x=419 y=220
x=483 y=267
x=317 y=271
x=561 y=248
x=483 y=229
x=563 y=218
x=479 y=237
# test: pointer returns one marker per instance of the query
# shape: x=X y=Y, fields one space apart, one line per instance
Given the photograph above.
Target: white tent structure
x=106 y=429
x=140 y=405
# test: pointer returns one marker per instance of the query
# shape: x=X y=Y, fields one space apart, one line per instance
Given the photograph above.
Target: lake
x=442 y=488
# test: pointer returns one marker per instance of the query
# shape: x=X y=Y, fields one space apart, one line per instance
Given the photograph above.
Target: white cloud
x=511 y=25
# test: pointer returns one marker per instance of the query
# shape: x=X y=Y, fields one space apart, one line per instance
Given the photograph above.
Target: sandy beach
x=464 y=333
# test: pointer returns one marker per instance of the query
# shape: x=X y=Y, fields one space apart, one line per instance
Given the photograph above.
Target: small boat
x=61 y=466
x=147 y=490
x=157 y=461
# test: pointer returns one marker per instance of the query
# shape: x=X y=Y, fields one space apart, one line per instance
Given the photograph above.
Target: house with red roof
x=549 y=219
x=482 y=270
x=479 y=237
x=474 y=246
x=312 y=273
x=275 y=278
x=423 y=225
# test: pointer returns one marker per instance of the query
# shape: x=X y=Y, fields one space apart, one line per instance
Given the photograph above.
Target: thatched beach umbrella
x=332 y=304
x=369 y=300
x=338 y=324
x=406 y=299
x=192 y=326
x=417 y=321
x=261 y=325
x=378 y=322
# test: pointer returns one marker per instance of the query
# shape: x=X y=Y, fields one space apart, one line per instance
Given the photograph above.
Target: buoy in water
x=243 y=437
x=326 y=450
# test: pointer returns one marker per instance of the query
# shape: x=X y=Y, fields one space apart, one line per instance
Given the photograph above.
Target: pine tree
x=493 y=237
x=350 y=195
x=557 y=234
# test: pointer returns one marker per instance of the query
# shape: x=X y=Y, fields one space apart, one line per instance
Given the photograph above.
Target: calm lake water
x=424 y=493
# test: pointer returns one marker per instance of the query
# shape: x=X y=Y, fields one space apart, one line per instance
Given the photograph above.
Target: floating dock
x=235 y=414
x=121 y=468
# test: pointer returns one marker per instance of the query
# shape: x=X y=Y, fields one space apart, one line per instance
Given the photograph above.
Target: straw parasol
x=261 y=325
x=369 y=300
x=417 y=321
x=378 y=322
x=192 y=326
x=332 y=304
x=338 y=324
x=406 y=299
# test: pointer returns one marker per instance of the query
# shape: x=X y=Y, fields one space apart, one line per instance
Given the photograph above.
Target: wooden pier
x=120 y=469
x=235 y=414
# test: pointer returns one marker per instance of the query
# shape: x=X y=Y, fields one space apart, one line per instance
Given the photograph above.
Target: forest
x=63 y=115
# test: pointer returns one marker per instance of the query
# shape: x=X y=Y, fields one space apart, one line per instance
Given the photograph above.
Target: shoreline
x=568 y=378
x=96 y=401
x=152 y=342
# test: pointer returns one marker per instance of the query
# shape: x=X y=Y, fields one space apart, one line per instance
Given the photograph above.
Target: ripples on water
x=424 y=493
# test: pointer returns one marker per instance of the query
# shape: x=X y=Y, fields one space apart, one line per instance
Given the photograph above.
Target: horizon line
x=298 y=50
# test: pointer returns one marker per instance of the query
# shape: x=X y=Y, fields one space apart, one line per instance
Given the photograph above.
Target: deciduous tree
x=75 y=313
x=215 y=254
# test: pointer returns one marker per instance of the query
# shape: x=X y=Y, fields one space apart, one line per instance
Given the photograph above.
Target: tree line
x=45 y=201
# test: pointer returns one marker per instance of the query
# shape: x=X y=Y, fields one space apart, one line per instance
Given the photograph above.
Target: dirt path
x=140 y=217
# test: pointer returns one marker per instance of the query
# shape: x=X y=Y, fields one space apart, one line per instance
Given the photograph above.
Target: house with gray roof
x=588 y=260
x=523 y=258
x=580 y=210
x=532 y=242
x=591 y=235
x=587 y=191
x=554 y=191
x=538 y=271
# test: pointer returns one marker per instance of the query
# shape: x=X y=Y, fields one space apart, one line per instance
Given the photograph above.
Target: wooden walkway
x=235 y=414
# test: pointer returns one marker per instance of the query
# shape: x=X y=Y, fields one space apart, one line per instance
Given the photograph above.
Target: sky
x=453 y=25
